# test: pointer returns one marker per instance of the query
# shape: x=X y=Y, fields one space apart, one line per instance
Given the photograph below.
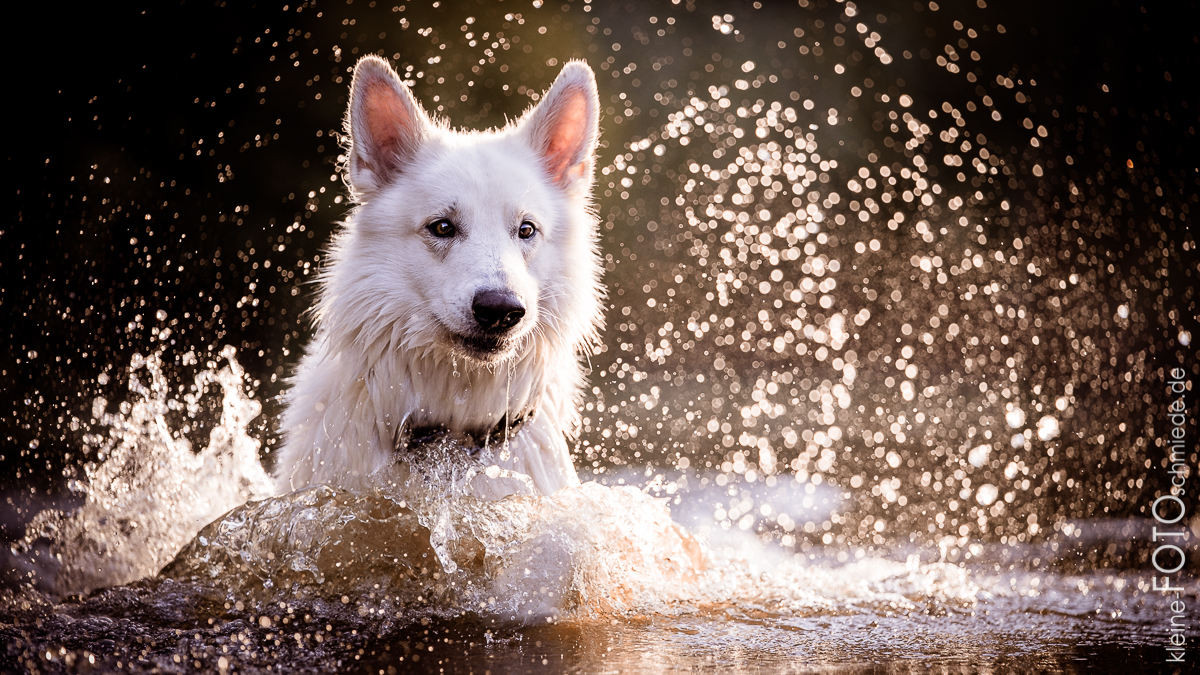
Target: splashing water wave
x=592 y=550
x=415 y=543
x=147 y=493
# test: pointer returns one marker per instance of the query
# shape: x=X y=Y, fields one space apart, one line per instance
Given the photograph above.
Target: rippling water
x=897 y=293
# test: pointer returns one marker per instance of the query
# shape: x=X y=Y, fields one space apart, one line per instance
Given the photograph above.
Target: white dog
x=458 y=295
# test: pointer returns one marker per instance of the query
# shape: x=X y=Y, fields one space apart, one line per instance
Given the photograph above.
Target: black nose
x=497 y=311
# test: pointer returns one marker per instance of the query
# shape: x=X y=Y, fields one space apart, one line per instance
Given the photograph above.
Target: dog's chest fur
x=348 y=414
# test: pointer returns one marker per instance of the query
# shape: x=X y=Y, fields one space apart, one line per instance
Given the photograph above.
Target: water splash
x=590 y=551
x=422 y=544
x=415 y=542
x=146 y=492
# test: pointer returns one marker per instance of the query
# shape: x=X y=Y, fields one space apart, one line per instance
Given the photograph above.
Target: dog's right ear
x=385 y=125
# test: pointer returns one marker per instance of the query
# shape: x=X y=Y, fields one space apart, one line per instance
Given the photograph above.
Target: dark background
x=183 y=158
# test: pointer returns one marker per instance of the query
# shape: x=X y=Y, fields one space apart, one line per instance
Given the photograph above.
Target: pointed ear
x=562 y=128
x=385 y=125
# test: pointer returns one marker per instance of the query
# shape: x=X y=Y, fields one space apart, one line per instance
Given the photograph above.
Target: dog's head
x=476 y=244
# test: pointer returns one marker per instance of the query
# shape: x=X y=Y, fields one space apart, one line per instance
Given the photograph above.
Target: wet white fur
x=382 y=355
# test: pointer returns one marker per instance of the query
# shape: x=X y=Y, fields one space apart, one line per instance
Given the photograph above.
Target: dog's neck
x=509 y=426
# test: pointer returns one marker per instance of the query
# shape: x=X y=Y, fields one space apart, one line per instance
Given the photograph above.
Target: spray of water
x=415 y=542
x=146 y=492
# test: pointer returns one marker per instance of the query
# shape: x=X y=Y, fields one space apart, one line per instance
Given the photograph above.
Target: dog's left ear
x=562 y=128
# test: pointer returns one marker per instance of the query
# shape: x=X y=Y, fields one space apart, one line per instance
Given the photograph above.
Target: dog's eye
x=442 y=228
x=526 y=230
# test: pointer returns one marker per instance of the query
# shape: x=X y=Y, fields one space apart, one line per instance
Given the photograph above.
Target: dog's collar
x=505 y=429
